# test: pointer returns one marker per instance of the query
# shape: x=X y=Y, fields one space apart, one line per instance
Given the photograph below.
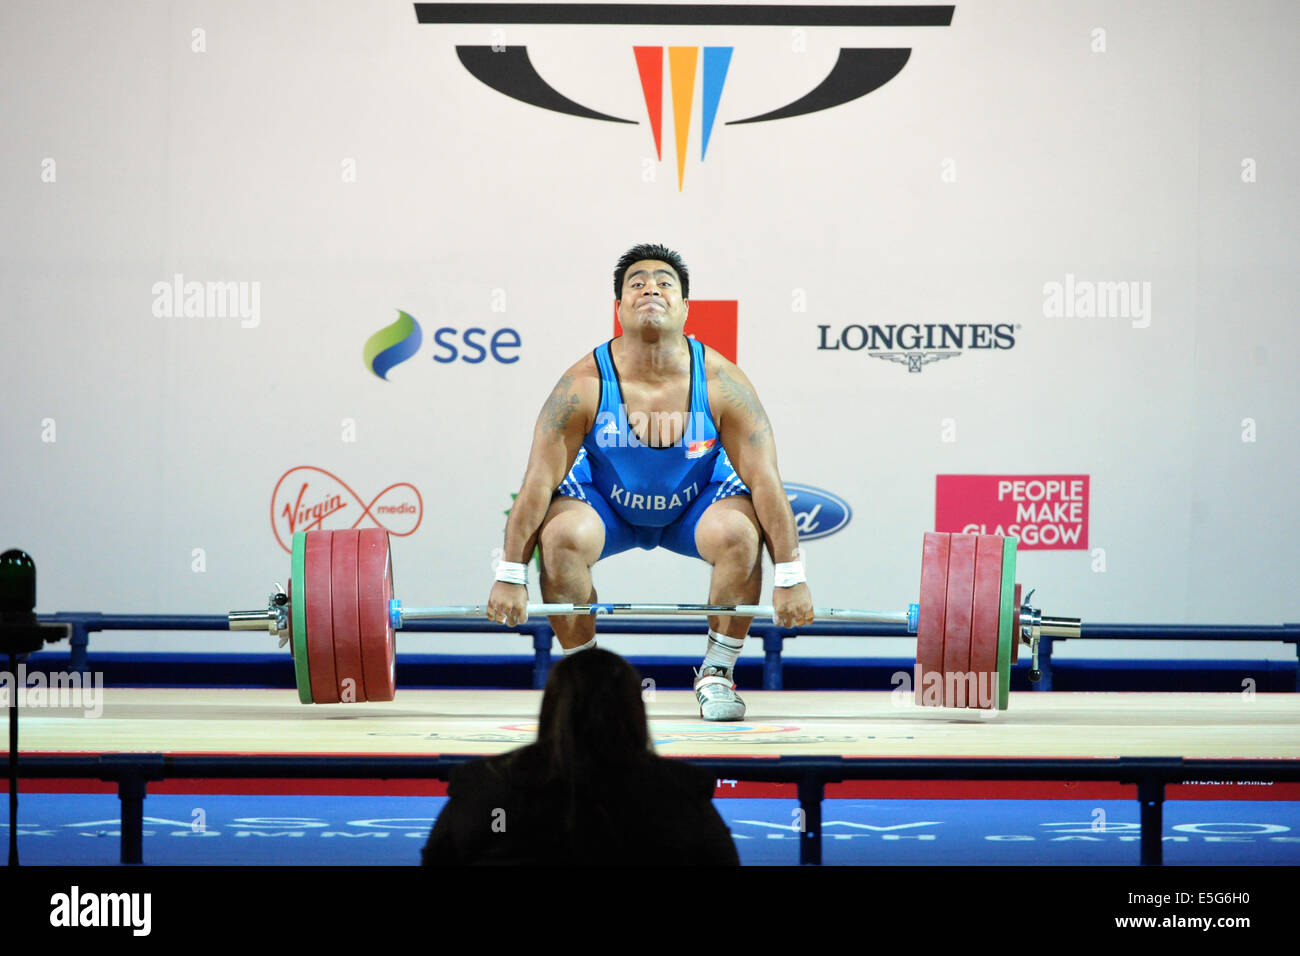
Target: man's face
x=652 y=299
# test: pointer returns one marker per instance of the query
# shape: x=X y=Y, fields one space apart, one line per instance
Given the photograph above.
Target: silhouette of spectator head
x=592 y=714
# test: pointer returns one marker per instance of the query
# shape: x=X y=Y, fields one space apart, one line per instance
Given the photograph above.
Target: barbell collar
x=263 y=620
x=1064 y=627
x=274 y=618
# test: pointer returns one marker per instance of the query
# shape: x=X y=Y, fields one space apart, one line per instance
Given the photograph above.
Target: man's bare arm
x=747 y=437
x=561 y=427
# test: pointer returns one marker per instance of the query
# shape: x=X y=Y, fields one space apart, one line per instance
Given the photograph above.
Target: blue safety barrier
x=83 y=623
x=134 y=772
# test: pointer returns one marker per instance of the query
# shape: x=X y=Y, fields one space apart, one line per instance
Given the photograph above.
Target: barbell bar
x=400 y=614
x=969 y=621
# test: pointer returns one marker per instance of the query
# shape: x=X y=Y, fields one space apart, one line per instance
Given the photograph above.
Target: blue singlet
x=648 y=496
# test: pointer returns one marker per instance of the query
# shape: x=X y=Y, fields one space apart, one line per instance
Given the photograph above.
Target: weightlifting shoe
x=717 y=695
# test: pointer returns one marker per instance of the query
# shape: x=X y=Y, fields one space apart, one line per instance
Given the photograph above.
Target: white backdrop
x=338 y=163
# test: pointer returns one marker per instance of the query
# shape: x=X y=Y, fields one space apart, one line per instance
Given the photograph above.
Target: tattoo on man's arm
x=742 y=398
x=560 y=406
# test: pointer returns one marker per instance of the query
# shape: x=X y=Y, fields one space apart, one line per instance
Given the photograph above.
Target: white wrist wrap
x=512 y=572
x=788 y=574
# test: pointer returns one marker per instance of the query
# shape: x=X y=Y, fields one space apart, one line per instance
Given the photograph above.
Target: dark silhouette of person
x=590 y=791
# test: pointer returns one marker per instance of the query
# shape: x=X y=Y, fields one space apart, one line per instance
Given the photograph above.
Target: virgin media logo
x=307 y=498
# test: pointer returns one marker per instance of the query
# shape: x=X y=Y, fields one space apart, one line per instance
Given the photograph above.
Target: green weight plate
x=985 y=622
x=1005 y=620
x=298 y=616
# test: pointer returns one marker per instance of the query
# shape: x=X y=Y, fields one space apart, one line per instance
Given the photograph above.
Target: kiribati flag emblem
x=698 y=449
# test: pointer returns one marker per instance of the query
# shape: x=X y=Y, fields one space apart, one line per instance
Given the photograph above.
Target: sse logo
x=817 y=513
x=499 y=345
x=394 y=344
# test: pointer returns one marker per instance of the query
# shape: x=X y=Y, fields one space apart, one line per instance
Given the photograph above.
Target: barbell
x=339 y=618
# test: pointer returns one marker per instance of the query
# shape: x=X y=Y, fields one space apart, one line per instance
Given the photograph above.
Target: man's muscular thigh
x=572 y=536
x=729 y=531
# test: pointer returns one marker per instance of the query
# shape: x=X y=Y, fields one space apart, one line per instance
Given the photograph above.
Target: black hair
x=592 y=714
x=651 y=250
x=592 y=722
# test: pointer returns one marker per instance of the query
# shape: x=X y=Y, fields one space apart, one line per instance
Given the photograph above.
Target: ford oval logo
x=817 y=513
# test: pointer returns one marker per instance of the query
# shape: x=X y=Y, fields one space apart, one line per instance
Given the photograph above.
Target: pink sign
x=1046 y=512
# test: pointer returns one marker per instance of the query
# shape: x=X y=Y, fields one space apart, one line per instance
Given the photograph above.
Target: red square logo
x=712 y=321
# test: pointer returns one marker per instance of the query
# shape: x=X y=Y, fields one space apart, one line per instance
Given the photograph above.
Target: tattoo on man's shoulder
x=741 y=397
x=561 y=405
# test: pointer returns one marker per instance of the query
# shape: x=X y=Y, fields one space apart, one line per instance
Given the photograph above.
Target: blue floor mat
x=204 y=829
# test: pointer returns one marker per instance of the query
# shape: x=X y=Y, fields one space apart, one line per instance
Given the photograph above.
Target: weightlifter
x=655 y=440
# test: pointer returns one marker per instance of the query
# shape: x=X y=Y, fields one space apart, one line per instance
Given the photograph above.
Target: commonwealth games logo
x=856 y=72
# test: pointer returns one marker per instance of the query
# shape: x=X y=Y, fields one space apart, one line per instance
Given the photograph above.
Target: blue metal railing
x=134 y=772
x=83 y=623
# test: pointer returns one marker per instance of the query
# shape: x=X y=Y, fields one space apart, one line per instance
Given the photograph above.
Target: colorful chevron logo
x=393 y=344
x=682 y=61
x=856 y=72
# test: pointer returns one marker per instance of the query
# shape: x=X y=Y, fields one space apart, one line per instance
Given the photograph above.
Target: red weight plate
x=347 y=626
x=956 y=623
x=374 y=591
x=1015 y=629
x=985 y=617
x=930 y=621
x=319 y=609
x=347 y=662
